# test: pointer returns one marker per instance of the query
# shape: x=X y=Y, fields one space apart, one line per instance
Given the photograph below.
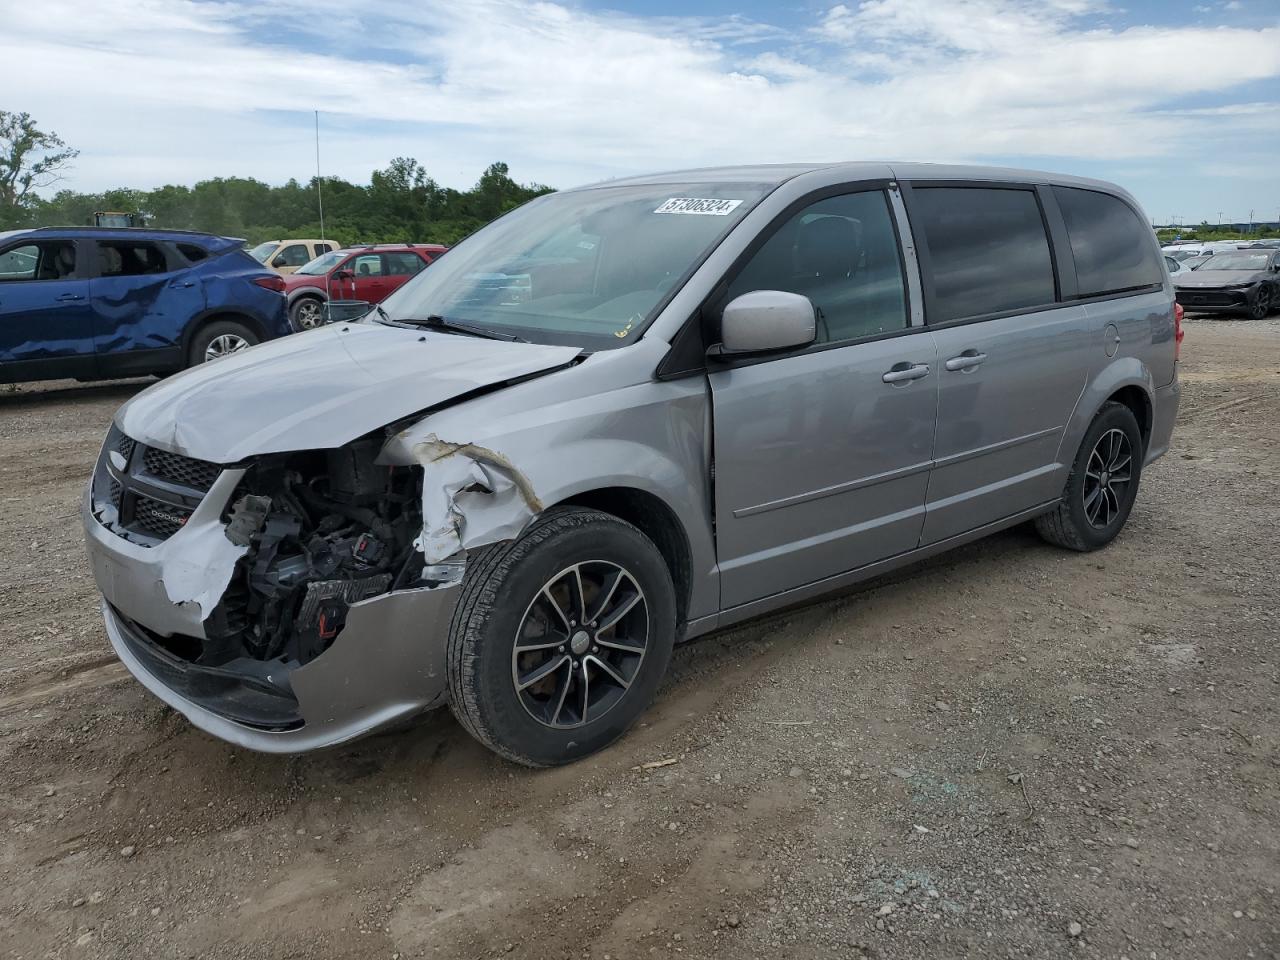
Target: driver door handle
x=68 y=296
x=966 y=361
x=901 y=372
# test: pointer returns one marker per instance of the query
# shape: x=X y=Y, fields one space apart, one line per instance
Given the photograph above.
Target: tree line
x=400 y=204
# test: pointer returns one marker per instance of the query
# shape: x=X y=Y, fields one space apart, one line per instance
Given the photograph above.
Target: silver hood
x=1218 y=278
x=321 y=389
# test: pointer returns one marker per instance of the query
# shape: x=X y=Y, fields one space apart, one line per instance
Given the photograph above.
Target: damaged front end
x=283 y=603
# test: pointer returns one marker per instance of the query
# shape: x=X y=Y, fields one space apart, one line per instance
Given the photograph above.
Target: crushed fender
x=471 y=496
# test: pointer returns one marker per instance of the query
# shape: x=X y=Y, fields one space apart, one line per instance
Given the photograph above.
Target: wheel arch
x=1127 y=381
x=202 y=320
x=1139 y=403
x=316 y=293
x=651 y=515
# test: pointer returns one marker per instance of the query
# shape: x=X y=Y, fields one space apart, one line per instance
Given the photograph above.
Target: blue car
x=95 y=303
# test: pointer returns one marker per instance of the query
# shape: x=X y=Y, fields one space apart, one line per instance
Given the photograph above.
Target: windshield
x=586 y=268
x=1236 y=261
x=262 y=251
x=322 y=264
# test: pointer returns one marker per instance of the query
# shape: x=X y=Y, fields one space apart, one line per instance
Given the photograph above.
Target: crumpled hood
x=1217 y=278
x=321 y=389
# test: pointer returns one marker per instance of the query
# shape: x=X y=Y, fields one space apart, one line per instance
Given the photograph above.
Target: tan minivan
x=286 y=256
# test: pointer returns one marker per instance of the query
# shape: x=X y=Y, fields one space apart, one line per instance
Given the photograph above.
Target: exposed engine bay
x=325 y=529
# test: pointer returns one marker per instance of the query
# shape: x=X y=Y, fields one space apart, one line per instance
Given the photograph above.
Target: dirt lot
x=1009 y=751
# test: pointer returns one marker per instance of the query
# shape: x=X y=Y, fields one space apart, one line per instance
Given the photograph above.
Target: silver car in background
x=618 y=418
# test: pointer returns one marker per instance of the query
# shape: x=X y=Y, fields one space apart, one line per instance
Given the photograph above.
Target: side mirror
x=766 y=320
x=343 y=275
x=278 y=261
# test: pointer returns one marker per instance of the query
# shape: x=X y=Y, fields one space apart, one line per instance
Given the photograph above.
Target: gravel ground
x=1007 y=751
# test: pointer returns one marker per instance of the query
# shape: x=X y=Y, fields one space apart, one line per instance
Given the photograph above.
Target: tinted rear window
x=1112 y=247
x=988 y=250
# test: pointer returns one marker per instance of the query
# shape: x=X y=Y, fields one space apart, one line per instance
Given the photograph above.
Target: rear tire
x=526 y=593
x=1103 y=484
x=219 y=339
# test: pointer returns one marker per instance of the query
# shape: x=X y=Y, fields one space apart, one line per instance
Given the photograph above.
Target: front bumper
x=1163 y=415
x=387 y=663
x=1215 y=298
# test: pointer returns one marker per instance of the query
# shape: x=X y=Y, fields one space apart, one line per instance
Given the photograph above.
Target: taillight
x=274 y=282
x=1177 y=331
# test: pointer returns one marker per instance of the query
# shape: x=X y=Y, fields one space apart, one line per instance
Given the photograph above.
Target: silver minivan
x=620 y=417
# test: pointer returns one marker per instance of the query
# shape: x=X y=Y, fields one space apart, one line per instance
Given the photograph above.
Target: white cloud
x=172 y=90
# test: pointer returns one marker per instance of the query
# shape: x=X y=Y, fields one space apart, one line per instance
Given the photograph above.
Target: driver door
x=370 y=279
x=46 y=328
x=822 y=455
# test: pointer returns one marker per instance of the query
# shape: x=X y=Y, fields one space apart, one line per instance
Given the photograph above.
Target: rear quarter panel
x=1143 y=358
x=228 y=286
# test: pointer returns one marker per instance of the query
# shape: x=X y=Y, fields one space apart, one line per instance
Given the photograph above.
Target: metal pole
x=320 y=204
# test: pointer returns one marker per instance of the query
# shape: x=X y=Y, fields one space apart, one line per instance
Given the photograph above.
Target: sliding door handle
x=902 y=372
x=966 y=361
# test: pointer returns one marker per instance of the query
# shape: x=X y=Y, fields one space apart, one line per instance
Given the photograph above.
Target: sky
x=1178 y=101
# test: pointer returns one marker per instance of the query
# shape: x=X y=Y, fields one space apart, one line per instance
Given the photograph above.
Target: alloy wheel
x=308 y=314
x=580 y=644
x=1107 y=476
x=1261 y=305
x=224 y=344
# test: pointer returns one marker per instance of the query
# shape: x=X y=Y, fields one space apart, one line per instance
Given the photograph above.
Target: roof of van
x=776 y=173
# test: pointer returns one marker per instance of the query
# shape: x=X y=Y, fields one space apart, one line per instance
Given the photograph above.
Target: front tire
x=306 y=313
x=219 y=339
x=561 y=637
x=1103 y=484
x=1261 y=303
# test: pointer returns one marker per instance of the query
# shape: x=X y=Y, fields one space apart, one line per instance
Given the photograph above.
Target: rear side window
x=129 y=258
x=988 y=250
x=193 y=252
x=404 y=264
x=1112 y=247
x=323 y=248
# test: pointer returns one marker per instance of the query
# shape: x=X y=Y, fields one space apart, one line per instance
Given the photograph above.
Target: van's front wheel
x=561 y=637
x=1102 y=486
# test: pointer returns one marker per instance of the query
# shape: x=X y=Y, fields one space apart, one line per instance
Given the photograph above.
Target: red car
x=368 y=273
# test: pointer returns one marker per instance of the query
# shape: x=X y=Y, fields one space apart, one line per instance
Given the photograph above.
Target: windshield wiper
x=437 y=322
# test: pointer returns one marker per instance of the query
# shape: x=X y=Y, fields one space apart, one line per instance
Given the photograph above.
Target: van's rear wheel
x=219 y=339
x=1102 y=486
x=561 y=637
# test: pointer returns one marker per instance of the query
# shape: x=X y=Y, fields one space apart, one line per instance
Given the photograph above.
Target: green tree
x=30 y=159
